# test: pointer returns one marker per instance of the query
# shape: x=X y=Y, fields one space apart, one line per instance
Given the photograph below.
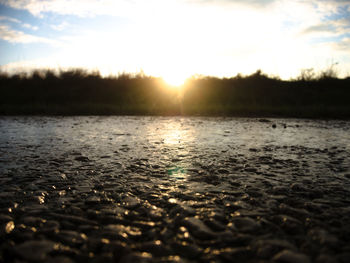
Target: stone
x=237 y=254
x=49 y=227
x=5 y=218
x=34 y=250
x=73 y=219
x=245 y=224
x=123 y=231
x=324 y=258
x=297 y=187
x=82 y=159
x=71 y=238
x=186 y=250
x=32 y=221
x=93 y=200
x=288 y=256
x=215 y=225
x=61 y=259
x=264 y=120
x=267 y=248
x=290 y=224
x=9 y=227
x=323 y=237
x=156 y=248
x=136 y=257
x=182 y=210
x=131 y=202
x=198 y=228
x=343 y=257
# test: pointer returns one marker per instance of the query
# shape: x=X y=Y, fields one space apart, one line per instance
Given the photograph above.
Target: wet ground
x=172 y=189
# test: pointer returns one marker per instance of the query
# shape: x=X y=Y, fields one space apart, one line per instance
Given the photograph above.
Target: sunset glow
x=177 y=38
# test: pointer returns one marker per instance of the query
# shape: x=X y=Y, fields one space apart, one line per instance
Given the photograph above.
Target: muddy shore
x=143 y=189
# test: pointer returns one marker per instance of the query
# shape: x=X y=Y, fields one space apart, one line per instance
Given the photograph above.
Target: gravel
x=142 y=189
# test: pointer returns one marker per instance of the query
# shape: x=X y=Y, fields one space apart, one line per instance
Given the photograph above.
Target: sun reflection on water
x=174 y=135
x=177 y=136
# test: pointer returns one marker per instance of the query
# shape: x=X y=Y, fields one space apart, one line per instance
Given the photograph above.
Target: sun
x=174 y=80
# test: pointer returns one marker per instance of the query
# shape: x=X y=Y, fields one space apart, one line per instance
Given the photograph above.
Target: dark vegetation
x=78 y=92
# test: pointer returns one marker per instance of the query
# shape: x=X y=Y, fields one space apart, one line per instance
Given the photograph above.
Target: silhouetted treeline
x=80 y=92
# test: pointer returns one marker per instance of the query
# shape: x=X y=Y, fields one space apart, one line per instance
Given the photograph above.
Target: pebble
x=240 y=254
x=61 y=259
x=198 y=228
x=124 y=231
x=324 y=258
x=131 y=202
x=245 y=224
x=71 y=238
x=94 y=200
x=9 y=227
x=323 y=237
x=155 y=248
x=82 y=159
x=187 y=250
x=5 y=218
x=267 y=248
x=32 y=221
x=35 y=250
x=288 y=256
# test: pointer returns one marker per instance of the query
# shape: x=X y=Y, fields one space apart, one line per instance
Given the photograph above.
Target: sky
x=175 y=39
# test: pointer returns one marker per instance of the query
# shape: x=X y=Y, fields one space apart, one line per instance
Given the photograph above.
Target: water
x=169 y=142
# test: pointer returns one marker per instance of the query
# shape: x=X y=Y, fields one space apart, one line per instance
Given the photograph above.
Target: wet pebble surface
x=172 y=189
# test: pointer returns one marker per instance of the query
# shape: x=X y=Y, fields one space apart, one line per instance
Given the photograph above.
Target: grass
x=77 y=92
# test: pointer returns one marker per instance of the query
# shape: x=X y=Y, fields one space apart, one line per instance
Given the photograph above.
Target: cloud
x=337 y=27
x=259 y=3
x=11 y=19
x=343 y=45
x=96 y=7
x=30 y=26
x=323 y=30
x=323 y=27
x=14 y=20
x=83 y=8
x=14 y=36
x=60 y=27
x=125 y=8
x=27 y=65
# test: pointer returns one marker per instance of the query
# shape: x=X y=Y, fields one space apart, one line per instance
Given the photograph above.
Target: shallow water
x=192 y=188
x=164 y=139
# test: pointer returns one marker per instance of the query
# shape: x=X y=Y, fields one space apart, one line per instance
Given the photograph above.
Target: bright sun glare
x=174 y=80
x=173 y=74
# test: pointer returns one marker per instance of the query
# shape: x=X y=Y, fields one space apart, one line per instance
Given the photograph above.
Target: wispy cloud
x=30 y=26
x=81 y=8
x=11 y=19
x=17 y=21
x=14 y=36
x=255 y=3
x=99 y=7
x=343 y=45
x=60 y=26
x=323 y=29
x=337 y=27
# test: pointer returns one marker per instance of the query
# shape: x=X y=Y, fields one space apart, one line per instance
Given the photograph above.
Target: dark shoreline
x=258 y=95
x=251 y=116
